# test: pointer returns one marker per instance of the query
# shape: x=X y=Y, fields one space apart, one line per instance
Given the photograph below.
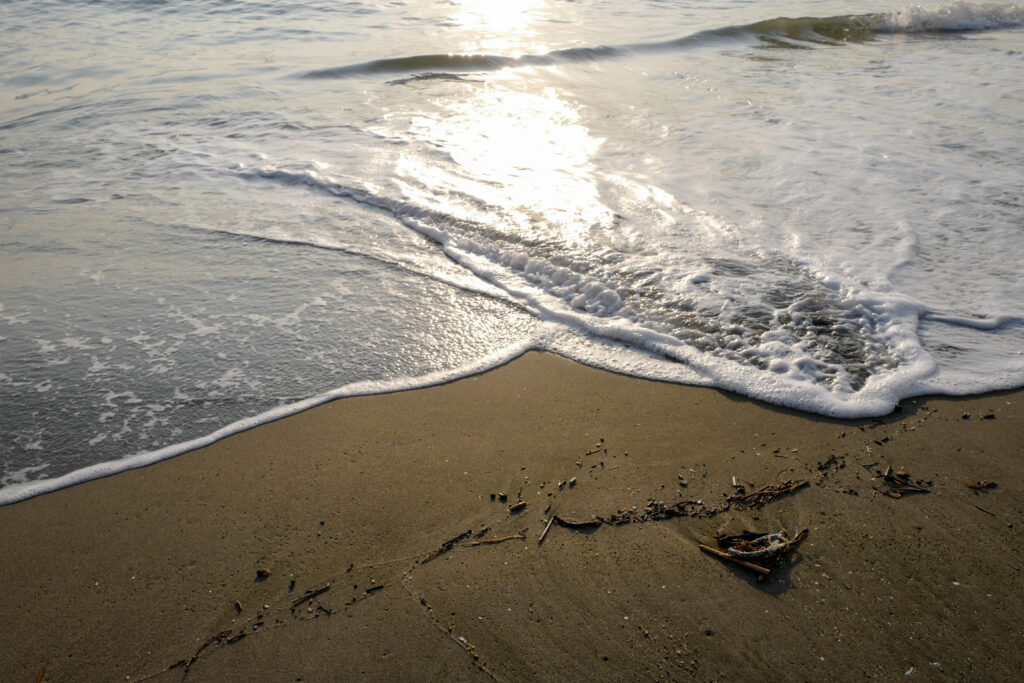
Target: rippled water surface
x=212 y=210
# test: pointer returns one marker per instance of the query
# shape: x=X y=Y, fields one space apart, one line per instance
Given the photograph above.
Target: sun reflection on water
x=518 y=159
x=504 y=26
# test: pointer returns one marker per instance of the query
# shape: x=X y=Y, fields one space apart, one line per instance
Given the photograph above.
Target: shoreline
x=22 y=491
x=208 y=565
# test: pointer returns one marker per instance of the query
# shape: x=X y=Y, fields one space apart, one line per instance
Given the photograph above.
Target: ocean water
x=215 y=213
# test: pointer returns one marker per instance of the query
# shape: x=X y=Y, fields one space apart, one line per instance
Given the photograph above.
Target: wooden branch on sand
x=310 y=594
x=765 y=571
x=767 y=494
x=546 y=529
x=487 y=541
x=447 y=545
x=897 y=482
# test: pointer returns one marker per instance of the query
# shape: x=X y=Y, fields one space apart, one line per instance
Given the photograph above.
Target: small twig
x=800 y=536
x=573 y=524
x=985 y=511
x=896 y=483
x=223 y=635
x=743 y=563
x=310 y=594
x=448 y=545
x=487 y=541
x=767 y=494
x=546 y=529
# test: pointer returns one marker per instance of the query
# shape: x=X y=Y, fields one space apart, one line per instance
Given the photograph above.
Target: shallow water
x=212 y=210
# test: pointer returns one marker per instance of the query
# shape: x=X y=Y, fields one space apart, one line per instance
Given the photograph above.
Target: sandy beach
x=372 y=538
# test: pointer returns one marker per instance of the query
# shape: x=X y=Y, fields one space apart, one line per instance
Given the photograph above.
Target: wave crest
x=780 y=32
x=957 y=16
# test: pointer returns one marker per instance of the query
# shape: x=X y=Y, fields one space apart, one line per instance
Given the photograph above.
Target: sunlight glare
x=527 y=154
x=498 y=25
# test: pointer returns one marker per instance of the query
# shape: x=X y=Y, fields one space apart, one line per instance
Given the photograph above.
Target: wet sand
x=350 y=541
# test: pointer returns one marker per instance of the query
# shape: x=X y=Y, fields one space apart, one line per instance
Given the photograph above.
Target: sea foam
x=957 y=16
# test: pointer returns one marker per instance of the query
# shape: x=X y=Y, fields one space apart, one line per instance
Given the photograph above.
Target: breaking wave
x=779 y=32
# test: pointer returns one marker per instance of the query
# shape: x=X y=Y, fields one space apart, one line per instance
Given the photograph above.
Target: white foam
x=987 y=323
x=20 y=476
x=591 y=307
x=46 y=346
x=957 y=16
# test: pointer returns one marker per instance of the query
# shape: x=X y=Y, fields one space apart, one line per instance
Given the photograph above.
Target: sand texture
x=352 y=542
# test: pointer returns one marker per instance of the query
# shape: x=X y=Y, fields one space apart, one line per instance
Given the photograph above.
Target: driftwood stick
x=546 y=529
x=743 y=563
x=310 y=594
x=487 y=541
x=769 y=493
x=573 y=524
x=447 y=545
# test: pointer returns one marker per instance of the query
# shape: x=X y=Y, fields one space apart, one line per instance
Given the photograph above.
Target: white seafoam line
x=18 y=492
x=897 y=316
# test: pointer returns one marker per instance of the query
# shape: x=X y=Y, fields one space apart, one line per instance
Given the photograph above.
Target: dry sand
x=156 y=573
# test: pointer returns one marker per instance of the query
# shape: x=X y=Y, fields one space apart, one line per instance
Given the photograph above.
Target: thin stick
x=448 y=545
x=984 y=510
x=550 y=522
x=499 y=540
x=577 y=525
x=743 y=563
x=215 y=639
x=310 y=594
